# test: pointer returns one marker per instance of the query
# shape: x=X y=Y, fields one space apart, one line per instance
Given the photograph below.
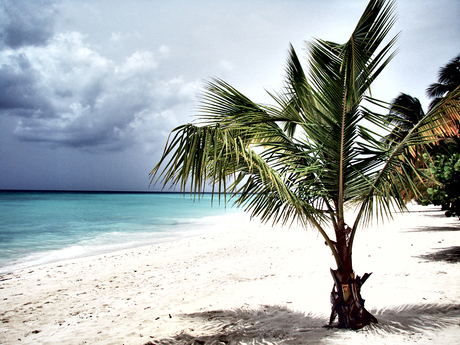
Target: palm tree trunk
x=346 y=299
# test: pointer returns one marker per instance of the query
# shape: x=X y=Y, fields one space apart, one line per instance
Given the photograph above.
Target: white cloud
x=115 y=37
x=164 y=50
x=136 y=63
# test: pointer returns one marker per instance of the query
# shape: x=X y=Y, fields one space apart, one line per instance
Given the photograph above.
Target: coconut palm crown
x=405 y=112
x=448 y=80
x=312 y=154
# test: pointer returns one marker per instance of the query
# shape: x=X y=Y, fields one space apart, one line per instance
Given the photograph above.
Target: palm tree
x=448 y=80
x=311 y=155
x=405 y=112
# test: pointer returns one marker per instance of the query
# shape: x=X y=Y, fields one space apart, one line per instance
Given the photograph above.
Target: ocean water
x=42 y=227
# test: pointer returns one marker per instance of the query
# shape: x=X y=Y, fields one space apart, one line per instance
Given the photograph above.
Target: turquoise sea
x=42 y=227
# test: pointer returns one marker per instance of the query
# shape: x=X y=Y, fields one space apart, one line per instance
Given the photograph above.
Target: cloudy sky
x=90 y=89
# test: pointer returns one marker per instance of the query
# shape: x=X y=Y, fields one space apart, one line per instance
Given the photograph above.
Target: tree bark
x=347 y=302
x=346 y=299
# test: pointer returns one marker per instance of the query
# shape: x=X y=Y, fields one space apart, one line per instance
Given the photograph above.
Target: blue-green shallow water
x=42 y=227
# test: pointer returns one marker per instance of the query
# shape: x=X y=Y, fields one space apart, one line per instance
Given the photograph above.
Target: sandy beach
x=244 y=283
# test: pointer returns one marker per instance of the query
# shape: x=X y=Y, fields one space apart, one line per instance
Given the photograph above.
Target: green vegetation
x=446 y=170
x=445 y=161
x=313 y=154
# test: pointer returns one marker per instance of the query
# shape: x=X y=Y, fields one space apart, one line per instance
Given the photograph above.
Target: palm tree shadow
x=279 y=325
x=266 y=325
x=415 y=318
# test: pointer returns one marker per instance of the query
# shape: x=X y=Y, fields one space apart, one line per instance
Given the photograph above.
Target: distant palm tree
x=448 y=80
x=311 y=155
x=405 y=112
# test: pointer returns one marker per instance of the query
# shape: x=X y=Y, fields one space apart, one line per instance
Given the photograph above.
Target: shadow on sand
x=434 y=228
x=279 y=325
x=450 y=255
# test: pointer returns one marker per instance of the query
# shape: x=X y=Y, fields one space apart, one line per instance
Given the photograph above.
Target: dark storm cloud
x=18 y=85
x=67 y=94
x=26 y=22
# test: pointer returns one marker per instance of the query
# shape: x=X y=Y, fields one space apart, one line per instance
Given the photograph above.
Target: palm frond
x=443 y=118
x=400 y=175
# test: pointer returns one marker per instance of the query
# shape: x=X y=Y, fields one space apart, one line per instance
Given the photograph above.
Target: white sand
x=243 y=283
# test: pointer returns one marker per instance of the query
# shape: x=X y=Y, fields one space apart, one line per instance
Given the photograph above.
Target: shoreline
x=248 y=283
x=57 y=256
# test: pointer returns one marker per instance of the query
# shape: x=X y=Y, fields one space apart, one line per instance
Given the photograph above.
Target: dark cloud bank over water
x=67 y=94
x=64 y=106
x=89 y=91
